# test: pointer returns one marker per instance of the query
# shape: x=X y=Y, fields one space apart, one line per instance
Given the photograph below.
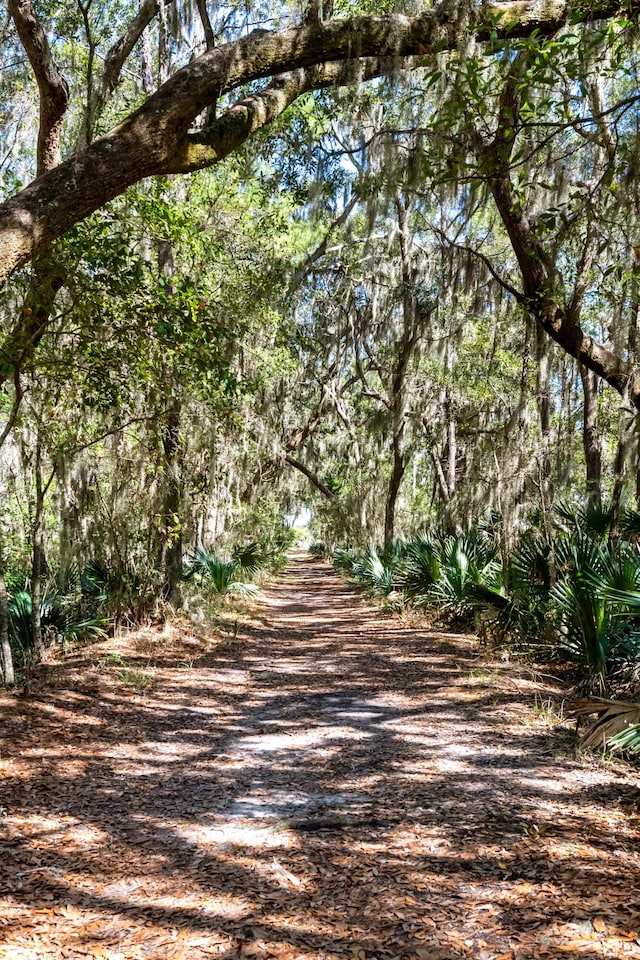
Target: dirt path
x=331 y=784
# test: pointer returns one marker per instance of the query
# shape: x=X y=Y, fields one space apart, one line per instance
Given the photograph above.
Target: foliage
x=249 y=558
x=589 y=630
x=522 y=613
x=617 y=723
x=344 y=559
x=207 y=569
x=594 y=521
x=420 y=568
x=318 y=549
x=467 y=562
x=376 y=569
x=338 y=317
x=576 y=600
x=64 y=619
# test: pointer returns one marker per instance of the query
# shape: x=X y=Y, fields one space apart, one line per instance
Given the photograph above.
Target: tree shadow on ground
x=339 y=786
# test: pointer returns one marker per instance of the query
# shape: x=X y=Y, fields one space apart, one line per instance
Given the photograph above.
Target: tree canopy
x=401 y=299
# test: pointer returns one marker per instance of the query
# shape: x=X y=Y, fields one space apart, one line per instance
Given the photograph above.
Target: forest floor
x=326 y=782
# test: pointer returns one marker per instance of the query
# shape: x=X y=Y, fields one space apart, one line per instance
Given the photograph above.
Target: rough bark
x=398 y=387
x=47 y=279
x=398 y=467
x=52 y=87
x=18 y=349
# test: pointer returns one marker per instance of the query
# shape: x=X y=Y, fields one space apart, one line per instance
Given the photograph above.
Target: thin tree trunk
x=590 y=437
x=452 y=445
x=544 y=415
x=522 y=421
x=173 y=507
x=171 y=551
x=395 y=481
x=618 y=481
x=66 y=515
x=6 y=655
x=37 y=558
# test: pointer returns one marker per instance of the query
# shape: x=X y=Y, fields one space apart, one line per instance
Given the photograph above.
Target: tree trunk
x=544 y=416
x=590 y=437
x=172 y=521
x=6 y=655
x=618 y=481
x=37 y=558
x=398 y=468
x=452 y=445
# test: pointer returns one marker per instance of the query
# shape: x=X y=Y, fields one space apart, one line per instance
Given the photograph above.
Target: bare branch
x=323 y=246
x=119 y=52
x=18 y=394
x=209 y=35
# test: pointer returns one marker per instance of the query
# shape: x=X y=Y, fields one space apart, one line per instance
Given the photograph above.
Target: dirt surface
x=326 y=782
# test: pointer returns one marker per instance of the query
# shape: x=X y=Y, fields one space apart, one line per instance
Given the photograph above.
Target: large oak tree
x=168 y=135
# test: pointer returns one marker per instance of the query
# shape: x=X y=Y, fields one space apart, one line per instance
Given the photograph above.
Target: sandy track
x=332 y=784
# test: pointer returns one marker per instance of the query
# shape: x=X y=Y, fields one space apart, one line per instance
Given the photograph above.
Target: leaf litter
x=333 y=784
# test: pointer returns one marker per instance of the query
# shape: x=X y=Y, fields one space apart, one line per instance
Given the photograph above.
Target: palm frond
x=614 y=721
x=249 y=558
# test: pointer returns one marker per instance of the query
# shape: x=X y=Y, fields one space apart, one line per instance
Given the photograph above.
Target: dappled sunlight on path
x=329 y=784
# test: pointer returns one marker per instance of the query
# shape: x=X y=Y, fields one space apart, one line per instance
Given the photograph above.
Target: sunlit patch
x=269 y=742
x=248 y=835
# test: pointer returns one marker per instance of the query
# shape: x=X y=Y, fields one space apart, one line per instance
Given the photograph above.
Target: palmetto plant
x=630 y=524
x=344 y=559
x=376 y=570
x=518 y=616
x=249 y=558
x=318 y=549
x=591 y=603
x=20 y=626
x=594 y=521
x=468 y=567
x=220 y=576
x=617 y=723
x=419 y=568
x=62 y=619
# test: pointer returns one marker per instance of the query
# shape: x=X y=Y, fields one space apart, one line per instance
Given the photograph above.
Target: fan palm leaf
x=617 y=722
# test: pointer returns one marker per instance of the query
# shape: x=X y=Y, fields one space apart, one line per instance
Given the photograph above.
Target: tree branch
x=120 y=50
x=148 y=141
x=52 y=87
x=537 y=269
x=322 y=247
x=310 y=475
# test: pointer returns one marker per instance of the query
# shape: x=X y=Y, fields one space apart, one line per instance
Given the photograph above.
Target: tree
x=158 y=137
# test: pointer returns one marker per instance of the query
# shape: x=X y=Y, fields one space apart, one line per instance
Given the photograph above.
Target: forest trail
x=328 y=784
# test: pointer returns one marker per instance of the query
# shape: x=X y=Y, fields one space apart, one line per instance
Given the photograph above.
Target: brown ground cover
x=330 y=783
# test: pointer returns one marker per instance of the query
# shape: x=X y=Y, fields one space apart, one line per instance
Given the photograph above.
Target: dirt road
x=330 y=783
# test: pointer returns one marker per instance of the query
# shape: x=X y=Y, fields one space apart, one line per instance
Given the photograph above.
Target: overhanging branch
x=149 y=140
